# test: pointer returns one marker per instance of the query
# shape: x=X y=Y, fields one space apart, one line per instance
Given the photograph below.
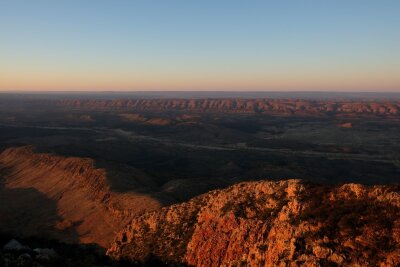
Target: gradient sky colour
x=343 y=45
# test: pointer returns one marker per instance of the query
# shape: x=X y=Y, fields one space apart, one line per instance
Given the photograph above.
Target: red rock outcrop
x=346 y=125
x=286 y=223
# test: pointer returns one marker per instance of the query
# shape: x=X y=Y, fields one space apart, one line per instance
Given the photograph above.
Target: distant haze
x=200 y=45
x=203 y=94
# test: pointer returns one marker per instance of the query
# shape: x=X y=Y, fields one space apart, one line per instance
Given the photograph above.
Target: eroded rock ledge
x=271 y=224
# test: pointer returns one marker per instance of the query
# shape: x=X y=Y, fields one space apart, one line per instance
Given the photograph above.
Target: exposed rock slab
x=287 y=223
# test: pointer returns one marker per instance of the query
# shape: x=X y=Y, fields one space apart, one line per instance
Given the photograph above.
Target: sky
x=282 y=45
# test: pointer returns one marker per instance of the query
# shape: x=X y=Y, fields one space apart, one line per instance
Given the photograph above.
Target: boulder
x=14 y=245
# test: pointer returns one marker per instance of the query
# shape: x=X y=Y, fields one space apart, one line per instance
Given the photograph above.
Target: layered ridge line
x=64 y=198
x=231 y=105
x=79 y=170
x=285 y=223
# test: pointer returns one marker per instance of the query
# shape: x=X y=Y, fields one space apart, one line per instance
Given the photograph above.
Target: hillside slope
x=68 y=199
x=251 y=223
x=271 y=224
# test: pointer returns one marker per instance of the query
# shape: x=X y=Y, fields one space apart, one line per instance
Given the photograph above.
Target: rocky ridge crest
x=285 y=223
x=65 y=198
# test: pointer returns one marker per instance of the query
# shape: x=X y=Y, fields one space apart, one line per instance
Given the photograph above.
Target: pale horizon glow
x=200 y=45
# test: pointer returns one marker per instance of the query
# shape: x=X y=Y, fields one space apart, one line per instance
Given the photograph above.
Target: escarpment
x=68 y=199
x=239 y=105
x=286 y=223
x=81 y=171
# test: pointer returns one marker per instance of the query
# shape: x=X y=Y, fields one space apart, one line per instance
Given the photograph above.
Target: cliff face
x=68 y=199
x=271 y=224
x=231 y=105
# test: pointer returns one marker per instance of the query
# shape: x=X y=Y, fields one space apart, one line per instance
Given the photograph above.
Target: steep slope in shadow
x=82 y=195
x=34 y=211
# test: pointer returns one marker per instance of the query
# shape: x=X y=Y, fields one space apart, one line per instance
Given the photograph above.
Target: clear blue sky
x=200 y=45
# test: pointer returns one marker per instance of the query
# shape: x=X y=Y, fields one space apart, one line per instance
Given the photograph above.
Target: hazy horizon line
x=196 y=91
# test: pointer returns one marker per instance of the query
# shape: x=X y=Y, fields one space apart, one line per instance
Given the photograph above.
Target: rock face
x=286 y=223
x=68 y=199
x=239 y=105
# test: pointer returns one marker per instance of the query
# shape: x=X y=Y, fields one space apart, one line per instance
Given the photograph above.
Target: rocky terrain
x=68 y=199
x=286 y=223
x=42 y=252
x=231 y=105
x=261 y=223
